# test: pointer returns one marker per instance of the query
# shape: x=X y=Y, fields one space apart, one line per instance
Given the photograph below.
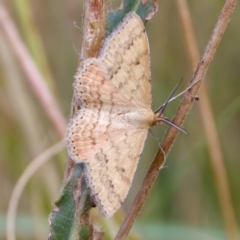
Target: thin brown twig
x=182 y=111
x=214 y=148
x=33 y=76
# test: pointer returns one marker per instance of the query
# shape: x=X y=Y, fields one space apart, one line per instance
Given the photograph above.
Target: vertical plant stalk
x=93 y=33
x=214 y=147
x=33 y=76
x=75 y=200
x=29 y=30
x=179 y=117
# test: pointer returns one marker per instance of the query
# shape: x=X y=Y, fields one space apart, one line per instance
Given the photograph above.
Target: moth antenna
x=162 y=108
x=173 y=125
x=181 y=93
x=170 y=98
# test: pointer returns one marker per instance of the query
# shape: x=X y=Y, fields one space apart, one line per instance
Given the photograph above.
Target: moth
x=109 y=130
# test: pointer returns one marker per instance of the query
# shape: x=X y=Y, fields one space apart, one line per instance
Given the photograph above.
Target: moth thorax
x=142 y=118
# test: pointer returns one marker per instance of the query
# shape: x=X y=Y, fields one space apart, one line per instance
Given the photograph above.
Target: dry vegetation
x=185 y=200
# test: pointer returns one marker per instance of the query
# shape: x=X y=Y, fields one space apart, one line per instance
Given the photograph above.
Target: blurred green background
x=183 y=203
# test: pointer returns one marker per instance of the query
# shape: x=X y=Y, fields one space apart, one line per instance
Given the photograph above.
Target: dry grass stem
x=214 y=147
x=21 y=183
x=33 y=76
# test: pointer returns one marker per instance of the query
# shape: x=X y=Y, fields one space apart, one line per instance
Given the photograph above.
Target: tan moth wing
x=111 y=91
x=111 y=149
x=126 y=57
